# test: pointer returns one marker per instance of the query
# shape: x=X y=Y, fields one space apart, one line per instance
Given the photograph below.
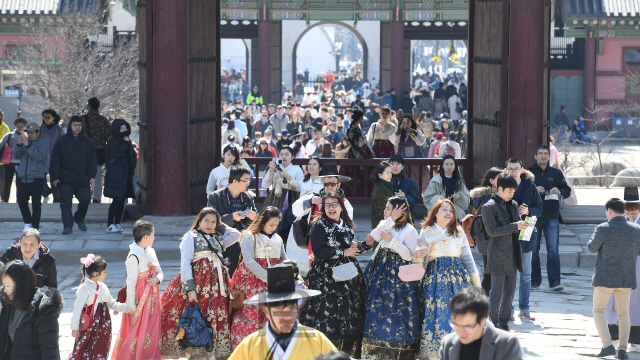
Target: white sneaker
x=45 y=200
x=27 y=226
x=111 y=229
x=119 y=228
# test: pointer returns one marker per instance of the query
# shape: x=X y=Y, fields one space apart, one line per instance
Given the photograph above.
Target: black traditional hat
x=281 y=286
x=331 y=170
x=631 y=195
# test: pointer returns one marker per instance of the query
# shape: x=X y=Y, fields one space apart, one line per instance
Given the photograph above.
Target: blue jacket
x=409 y=188
x=121 y=161
x=33 y=159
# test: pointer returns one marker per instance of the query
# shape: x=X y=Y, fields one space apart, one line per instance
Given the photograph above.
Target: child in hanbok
x=139 y=336
x=262 y=248
x=392 y=321
x=91 y=321
x=450 y=268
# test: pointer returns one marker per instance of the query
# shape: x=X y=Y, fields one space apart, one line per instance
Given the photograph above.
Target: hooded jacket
x=33 y=159
x=121 y=162
x=37 y=335
x=73 y=159
x=52 y=135
x=45 y=266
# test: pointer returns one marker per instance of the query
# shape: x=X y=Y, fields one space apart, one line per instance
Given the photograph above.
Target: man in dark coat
x=73 y=164
x=230 y=203
x=550 y=183
x=617 y=243
x=98 y=129
x=504 y=257
x=530 y=204
x=407 y=104
x=30 y=250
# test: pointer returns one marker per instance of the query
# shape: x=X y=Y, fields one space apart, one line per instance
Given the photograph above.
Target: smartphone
x=245 y=212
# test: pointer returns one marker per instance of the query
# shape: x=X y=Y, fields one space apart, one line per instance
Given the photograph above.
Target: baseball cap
x=439 y=135
x=34 y=126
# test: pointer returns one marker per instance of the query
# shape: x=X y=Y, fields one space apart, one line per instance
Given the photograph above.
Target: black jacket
x=218 y=201
x=531 y=197
x=121 y=162
x=45 y=266
x=550 y=178
x=73 y=160
x=36 y=337
x=407 y=105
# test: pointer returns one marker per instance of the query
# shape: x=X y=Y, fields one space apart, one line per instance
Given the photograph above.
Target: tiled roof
x=601 y=8
x=50 y=7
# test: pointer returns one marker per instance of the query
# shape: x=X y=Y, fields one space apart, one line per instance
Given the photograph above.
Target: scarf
x=388 y=185
x=338 y=233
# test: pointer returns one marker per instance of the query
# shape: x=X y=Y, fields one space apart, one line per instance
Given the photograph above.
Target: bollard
x=607 y=179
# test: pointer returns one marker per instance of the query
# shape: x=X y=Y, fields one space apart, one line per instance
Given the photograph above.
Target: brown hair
x=631 y=206
x=343 y=214
x=140 y=229
x=267 y=213
x=452 y=228
x=405 y=218
x=204 y=212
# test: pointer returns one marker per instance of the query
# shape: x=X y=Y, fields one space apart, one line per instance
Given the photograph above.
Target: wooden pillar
x=385 y=56
x=397 y=58
x=264 y=59
x=275 y=51
x=590 y=53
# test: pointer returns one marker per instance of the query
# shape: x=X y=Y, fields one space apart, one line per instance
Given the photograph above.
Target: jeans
x=551 y=230
x=563 y=133
x=525 y=281
x=98 y=182
x=503 y=288
x=601 y=296
x=31 y=190
x=83 y=194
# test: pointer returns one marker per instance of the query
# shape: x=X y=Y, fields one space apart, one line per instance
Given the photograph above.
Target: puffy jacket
x=33 y=159
x=73 y=160
x=37 y=335
x=45 y=266
x=121 y=162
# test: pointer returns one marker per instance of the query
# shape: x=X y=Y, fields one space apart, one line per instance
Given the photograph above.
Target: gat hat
x=34 y=126
x=281 y=286
x=296 y=135
x=331 y=170
x=284 y=132
x=631 y=194
x=439 y=135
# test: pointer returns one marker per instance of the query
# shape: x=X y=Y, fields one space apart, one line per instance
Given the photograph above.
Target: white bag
x=345 y=272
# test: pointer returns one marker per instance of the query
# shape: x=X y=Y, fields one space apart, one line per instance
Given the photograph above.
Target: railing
x=367 y=166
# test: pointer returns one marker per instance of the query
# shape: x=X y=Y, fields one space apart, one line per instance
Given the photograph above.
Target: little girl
x=91 y=311
x=139 y=336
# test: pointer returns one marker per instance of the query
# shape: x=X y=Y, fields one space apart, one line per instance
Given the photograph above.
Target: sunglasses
x=330 y=184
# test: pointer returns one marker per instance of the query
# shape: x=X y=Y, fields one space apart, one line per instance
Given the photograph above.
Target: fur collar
x=481 y=192
x=528 y=175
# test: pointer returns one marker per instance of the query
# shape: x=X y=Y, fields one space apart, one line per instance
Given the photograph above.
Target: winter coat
x=97 y=128
x=45 y=266
x=550 y=178
x=37 y=335
x=262 y=126
x=52 y=135
x=73 y=160
x=409 y=188
x=34 y=159
x=121 y=163
x=436 y=190
x=12 y=140
x=379 y=198
x=407 y=105
x=503 y=259
x=617 y=243
x=479 y=196
x=531 y=197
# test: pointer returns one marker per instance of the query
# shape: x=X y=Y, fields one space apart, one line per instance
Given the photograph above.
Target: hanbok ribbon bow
x=87 y=261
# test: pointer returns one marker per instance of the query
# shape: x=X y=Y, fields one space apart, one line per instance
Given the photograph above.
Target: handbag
x=411 y=272
x=301 y=231
x=5 y=154
x=87 y=313
x=459 y=108
x=103 y=172
x=196 y=332
x=344 y=272
x=122 y=293
x=237 y=296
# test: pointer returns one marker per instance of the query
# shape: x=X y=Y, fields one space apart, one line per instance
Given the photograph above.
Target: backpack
x=439 y=105
x=449 y=151
x=196 y=333
x=478 y=233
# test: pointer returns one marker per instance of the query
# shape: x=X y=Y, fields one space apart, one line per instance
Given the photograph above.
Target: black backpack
x=479 y=234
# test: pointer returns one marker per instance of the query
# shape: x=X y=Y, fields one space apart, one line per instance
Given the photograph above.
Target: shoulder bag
x=122 y=293
x=237 y=296
x=344 y=272
x=301 y=229
x=5 y=153
x=88 y=311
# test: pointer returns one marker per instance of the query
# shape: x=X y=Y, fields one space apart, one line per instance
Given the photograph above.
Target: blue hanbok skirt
x=445 y=276
x=392 y=321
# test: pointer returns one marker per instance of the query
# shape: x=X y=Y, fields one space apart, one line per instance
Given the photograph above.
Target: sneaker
x=525 y=314
x=608 y=351
x=622 y=354
x=27 y=226
x=46 y=199
x=82 y=226
x=556 y=287
x=119 y=228
x=111 y=228
x=535 y=286
x=67 y=231
x=504 y=328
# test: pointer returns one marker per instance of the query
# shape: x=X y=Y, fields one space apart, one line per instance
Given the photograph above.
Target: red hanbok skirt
x=95 y=341
x=383 y=149
x=250 y=318
x=214 y=308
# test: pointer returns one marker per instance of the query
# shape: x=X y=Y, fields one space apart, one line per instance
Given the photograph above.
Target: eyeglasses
x=543 y=153
x=263 y=115
x=245 y=181
x=330 y=184
x=462 y=327
x=331 y=205
x=513 y=169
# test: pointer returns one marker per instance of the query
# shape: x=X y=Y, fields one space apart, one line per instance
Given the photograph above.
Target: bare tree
x=598 y=142
x=76 y=61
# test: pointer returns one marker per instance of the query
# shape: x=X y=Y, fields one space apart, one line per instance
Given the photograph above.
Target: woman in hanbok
x=450 y=268
x=392 y=321
x=312 y=184
x=358 y=148
x=409 y=140
x=380 y=132
x=284 y=184
x=261 y=247
x=203 y=279
x=339 y=311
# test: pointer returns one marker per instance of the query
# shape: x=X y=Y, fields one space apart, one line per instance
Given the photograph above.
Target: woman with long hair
x=339 y=311
x=262 y=247
x=391 y=326
x=450 y=268
x=448 y=184
x=263 y=150
x=409 y=140
x=296 y=126
x=358 y=148
x=382 y=191
x=203 y=279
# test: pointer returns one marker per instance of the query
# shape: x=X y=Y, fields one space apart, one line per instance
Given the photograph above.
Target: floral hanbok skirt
x=95 y=341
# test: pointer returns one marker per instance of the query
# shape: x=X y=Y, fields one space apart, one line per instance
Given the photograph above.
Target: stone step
x=583 y=214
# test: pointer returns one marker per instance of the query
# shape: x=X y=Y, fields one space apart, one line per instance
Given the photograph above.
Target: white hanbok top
x=86 y=294
x=265 y=248
x=404 y=240
x=297 y=177
x=145 y=256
